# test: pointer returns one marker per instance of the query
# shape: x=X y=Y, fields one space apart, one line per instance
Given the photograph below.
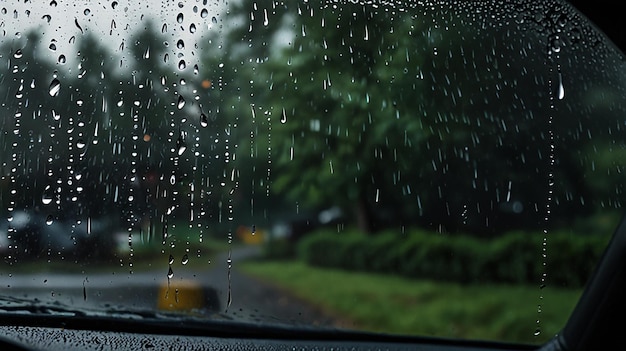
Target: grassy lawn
x=391 y=304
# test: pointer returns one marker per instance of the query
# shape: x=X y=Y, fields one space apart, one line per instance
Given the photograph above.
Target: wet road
x=215 y=291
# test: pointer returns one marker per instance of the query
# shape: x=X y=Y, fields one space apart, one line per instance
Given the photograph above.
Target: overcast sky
x=112 y=21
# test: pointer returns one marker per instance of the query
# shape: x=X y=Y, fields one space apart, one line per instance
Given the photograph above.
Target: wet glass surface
x=390 y=166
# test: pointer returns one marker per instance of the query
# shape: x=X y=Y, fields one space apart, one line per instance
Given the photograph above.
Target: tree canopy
x=399 y=116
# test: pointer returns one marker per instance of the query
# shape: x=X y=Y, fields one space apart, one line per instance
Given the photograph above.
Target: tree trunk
x=363 y=215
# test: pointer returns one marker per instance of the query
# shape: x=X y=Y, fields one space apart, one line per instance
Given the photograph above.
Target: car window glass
x=328 y=163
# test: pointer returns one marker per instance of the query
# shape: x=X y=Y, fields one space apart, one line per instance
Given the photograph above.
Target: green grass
x=396 y=305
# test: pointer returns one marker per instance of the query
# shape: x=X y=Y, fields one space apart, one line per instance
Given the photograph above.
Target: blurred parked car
x=33 y=235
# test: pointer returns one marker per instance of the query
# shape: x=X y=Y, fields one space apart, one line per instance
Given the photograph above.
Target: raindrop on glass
x=181 y=102
x=46 y=199
x=78 y=25
x=560 y=88
x=55 y=87
x=181 y=146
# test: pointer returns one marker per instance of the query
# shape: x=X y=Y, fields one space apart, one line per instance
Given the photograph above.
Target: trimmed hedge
x=515 y=257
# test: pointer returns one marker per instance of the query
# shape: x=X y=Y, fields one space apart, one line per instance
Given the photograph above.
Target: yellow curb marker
x=181 y=295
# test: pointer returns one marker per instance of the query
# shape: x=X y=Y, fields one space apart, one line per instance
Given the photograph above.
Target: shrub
x=515 y=257
x=278 y=249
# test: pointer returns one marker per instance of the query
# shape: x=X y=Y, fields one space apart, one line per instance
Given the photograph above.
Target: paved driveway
x=216 y=290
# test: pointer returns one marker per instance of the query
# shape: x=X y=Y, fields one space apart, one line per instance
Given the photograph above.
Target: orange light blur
x=206 y=84
x=146 y=137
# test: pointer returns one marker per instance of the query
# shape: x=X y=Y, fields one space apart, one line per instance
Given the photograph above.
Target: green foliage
x=515 y=257
x=278 y=249
x=392 y=304
x=382 y=115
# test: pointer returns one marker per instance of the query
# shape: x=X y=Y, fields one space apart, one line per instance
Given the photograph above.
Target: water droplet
x=204 y=13
x=179 y=18
x=18 y=54
x=78 y=25
x=52 y=46
x=170 y=273
x=114 y=4
x=204 y=121
x=87 y=12
x=181 y=102
x=283 y=118
x=171 y=259
x=46 y=199
x=49 y=220
x=185 y=259
x=181 y=146
x=47 y=18
x=182 y=65
x=62 y=59
x=180 y=44
x=55 y=87
x=192 y=28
